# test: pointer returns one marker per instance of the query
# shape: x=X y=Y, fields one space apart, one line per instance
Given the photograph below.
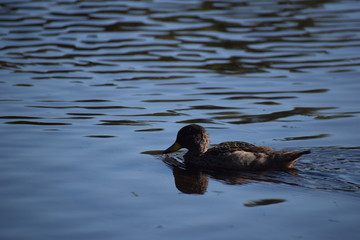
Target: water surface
x=91 y=91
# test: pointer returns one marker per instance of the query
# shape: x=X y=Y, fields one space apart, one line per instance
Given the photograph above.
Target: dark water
x=90 y=91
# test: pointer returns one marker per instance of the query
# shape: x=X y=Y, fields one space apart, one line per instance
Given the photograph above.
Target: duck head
x=192 y=137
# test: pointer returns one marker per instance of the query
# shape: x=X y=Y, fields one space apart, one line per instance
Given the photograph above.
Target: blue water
x=92 y=91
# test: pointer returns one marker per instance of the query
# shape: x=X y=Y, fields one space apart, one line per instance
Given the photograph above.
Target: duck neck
x=196 y=152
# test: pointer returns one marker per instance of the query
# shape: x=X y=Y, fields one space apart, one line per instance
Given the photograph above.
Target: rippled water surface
x=91 y=91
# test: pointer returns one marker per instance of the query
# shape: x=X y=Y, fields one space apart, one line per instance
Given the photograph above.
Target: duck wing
x=240 y=146
x=234 y=156
x=246 y=156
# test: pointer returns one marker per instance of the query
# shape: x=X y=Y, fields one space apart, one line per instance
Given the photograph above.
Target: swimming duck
x=229 y=155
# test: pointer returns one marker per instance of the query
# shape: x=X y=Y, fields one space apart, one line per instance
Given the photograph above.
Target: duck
x=234 y=155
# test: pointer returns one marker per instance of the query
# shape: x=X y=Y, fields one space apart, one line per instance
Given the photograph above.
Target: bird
x=235 y=155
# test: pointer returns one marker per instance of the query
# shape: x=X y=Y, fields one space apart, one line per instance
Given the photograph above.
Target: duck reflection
x=191 y=180
x=187 y=180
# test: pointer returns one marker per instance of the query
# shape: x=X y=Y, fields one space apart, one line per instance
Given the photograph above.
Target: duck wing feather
x=240 y=146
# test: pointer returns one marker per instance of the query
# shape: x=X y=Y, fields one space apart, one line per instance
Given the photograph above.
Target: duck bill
x=173 y=148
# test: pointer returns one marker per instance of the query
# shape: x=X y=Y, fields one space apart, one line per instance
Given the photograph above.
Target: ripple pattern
x=91 y=92
x=149 y=63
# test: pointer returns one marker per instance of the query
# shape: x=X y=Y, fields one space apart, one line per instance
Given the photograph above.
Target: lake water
x=91 y=91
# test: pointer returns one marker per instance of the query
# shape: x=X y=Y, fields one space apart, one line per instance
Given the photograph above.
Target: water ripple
x=228 y=63
x=85 y=86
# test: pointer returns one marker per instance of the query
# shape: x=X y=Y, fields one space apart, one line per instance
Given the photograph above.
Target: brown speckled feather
x=237 y=146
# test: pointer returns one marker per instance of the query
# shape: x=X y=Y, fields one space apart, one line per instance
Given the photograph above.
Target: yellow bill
x=176 y=146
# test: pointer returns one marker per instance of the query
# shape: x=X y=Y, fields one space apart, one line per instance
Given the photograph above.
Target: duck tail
x=300 y=153
x=288 y=159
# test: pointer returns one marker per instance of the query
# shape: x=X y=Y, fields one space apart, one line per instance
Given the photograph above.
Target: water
x=90 y=91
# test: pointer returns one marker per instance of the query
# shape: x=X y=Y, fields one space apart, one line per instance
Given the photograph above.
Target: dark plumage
x=229 y=155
